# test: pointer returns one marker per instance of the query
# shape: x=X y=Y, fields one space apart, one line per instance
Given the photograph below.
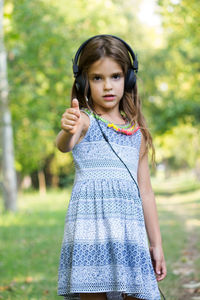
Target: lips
x=109 y=97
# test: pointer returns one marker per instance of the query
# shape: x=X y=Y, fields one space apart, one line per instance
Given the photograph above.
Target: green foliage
x=42 y=37
x=173 y=96
x=37 y=79
x=178 y=81
x=179 y=145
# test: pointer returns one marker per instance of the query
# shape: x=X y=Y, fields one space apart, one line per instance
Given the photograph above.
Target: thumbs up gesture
x=71 y=118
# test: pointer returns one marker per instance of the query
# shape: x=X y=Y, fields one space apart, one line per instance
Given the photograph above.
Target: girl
x=105 y=252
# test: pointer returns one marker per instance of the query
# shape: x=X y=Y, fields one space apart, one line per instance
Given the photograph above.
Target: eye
x=117 y=76
x=96 y=78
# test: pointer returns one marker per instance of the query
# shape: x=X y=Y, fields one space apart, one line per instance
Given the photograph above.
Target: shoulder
x=143 y=146
x=143 y=165
x=86 y=119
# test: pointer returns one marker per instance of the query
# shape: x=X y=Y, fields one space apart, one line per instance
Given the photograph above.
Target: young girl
x=105 y=252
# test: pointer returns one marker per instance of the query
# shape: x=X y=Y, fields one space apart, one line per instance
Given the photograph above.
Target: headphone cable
x=106 y=139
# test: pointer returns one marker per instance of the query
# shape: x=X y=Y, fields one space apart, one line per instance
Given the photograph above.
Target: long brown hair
x=108 y=46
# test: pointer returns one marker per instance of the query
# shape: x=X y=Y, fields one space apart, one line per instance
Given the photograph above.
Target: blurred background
x=38 y=40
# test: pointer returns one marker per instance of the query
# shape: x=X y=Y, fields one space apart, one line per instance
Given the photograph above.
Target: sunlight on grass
x=193 y=223
x=180 y=182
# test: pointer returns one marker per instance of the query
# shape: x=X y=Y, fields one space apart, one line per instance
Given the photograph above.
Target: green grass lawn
x=30 y=240
x=30 y=243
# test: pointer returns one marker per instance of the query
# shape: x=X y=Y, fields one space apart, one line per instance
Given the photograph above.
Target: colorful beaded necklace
x=127 y=129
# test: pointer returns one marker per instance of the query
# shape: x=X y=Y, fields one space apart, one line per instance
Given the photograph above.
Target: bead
x=125 y=129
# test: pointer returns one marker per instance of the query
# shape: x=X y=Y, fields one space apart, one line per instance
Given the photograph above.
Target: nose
x=107 y=84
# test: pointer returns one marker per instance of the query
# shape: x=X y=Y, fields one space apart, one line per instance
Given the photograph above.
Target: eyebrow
x=100 y=74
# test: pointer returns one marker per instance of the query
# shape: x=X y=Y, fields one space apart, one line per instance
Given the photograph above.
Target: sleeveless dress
x=105 y=246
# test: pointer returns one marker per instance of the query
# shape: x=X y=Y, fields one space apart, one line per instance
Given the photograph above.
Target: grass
x=178 y=202
x=30 y=243
x=30 y=240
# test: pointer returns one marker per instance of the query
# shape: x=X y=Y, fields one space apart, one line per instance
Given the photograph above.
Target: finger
x=158 y=267
x=75 y=104
x=163 y=273
x=68 y=122
x=71 y=112
x=70 y=116
x=67 y=127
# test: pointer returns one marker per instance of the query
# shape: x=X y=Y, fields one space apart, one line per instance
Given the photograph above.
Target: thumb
x=75 y=104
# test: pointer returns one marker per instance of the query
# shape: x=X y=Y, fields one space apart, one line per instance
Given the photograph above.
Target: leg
x=93 y=296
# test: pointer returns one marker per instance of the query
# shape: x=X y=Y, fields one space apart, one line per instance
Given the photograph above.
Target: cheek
x=121 y=87
x=94 y=89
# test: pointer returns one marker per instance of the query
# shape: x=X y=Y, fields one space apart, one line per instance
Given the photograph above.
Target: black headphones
x=130 y=79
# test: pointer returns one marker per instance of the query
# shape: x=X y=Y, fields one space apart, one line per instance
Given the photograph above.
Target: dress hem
x=121 y=294
x=135 y=293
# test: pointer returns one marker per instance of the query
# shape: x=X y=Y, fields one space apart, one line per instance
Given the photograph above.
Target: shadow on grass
x=181 y=190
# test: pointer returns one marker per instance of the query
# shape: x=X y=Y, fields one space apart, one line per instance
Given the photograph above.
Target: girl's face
x=106 y=80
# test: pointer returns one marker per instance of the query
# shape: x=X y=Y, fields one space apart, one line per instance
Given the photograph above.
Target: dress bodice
x=94 y=158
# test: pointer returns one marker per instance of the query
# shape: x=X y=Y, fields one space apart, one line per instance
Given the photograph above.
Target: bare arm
x=73 y=123
x=150 y=214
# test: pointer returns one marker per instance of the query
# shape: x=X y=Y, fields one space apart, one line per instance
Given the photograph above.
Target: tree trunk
x=197 y=169
x=42 y=182
x=9 y=174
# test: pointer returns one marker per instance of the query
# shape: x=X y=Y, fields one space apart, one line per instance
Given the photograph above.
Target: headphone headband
x=75 y=61
x=130 y=79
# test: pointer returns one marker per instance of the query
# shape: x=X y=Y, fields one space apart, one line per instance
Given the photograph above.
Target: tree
x=177 y=83
x=42 y=43
x=174 y=94
x=9 y=174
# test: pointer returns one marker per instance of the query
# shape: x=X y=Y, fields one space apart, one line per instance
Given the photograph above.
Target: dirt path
x=186 y=207
x=186 y=269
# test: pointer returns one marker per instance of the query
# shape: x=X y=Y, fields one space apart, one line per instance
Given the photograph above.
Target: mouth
x=109 y=97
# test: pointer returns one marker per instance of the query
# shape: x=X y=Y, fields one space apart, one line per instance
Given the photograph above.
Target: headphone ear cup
x=80 y=83
x=130 y=80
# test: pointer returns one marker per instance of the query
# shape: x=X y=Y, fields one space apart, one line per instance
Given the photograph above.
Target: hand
x=71 y=118
x=158 y=262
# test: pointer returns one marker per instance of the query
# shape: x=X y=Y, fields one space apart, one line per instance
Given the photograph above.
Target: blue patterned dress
x=105 y=246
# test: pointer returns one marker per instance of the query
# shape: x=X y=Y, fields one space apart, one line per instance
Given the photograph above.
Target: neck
x=113 y=116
